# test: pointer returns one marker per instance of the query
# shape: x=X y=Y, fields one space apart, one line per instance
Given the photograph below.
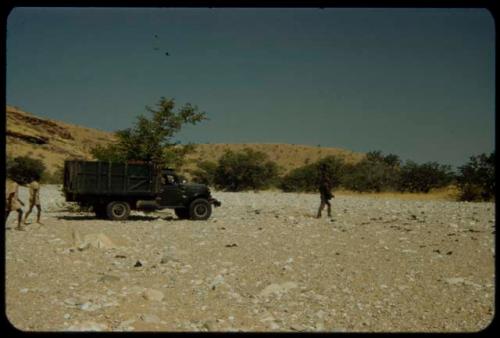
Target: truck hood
x=195 y=187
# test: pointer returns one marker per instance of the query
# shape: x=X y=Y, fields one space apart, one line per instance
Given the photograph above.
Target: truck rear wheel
x=182 y=213
x=118 y=210
x=200 y=209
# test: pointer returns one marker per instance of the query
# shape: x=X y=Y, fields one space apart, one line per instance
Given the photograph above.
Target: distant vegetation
x=247 y=170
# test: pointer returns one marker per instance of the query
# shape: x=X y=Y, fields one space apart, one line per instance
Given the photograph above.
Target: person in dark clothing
x=325 y=190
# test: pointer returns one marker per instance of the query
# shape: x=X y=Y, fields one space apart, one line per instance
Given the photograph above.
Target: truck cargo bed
x=107 y=178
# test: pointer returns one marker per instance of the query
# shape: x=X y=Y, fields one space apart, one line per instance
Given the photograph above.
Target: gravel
x=262 y=262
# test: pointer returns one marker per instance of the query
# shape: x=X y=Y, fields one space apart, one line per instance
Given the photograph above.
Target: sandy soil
x=260 y=263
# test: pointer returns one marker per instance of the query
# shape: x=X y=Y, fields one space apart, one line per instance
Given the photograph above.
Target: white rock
x=455 y=280
x=218 y=280
x=153 y=295
x=277 y=289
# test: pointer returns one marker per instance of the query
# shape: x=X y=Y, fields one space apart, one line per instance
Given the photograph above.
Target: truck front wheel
x=200 y=209
x=118 y=210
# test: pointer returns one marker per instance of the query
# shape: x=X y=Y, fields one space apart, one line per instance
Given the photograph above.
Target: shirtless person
x=12 y=202
x=34 y=189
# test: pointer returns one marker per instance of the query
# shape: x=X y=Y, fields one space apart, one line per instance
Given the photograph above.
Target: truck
x=113 y=189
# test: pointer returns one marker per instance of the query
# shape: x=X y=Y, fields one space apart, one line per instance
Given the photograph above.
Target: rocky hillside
x=55 y=141
x=49 y=140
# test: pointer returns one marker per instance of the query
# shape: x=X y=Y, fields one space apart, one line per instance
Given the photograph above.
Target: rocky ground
x=260 y=263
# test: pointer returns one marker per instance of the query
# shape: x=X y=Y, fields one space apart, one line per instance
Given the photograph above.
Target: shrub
x=24 y=169
x=476 y=179
x=249 y=169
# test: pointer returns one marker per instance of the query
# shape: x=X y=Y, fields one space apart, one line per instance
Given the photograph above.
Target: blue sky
x=415 y=82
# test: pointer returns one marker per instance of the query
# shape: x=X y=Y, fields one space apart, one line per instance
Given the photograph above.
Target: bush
x=305 y=178
x=375 y=173
x=300 y=179
x=424 y=177
x=245 y=170
x=24 y=169
x=476 y=179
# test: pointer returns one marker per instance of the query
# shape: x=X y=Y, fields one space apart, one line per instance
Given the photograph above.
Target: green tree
x=245 y=170
x=24 y=169
x=476 y=179
x=151 y=139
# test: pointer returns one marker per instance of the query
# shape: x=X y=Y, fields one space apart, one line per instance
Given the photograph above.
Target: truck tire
x=118 y=210
x=182 y=213
x=200 y=209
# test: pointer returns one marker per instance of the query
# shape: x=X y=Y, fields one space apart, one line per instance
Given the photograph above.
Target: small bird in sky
x=156 y=36
x=166 y=53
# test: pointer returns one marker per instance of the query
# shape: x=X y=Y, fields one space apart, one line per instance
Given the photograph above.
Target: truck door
x=171 y=191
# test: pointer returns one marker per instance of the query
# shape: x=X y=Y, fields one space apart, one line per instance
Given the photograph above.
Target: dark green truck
x=113 y=189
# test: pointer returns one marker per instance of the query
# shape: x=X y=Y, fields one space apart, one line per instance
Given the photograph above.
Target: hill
x=49 y=140
x=288 y=156
x=54 y=141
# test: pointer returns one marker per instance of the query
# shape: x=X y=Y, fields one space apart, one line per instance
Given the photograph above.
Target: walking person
x=325 y=190
x=34 y=190
x=12 y=202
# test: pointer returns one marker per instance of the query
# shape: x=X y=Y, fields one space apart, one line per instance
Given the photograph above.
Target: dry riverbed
x=262 y=262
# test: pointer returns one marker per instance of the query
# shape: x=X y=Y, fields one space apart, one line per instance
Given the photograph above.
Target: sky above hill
x=418 y=83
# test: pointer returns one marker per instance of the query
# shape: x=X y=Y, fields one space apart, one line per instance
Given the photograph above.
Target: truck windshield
x=168 y=179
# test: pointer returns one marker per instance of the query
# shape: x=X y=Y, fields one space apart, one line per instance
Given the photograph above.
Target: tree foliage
x=424 y=177
x=24 y=169
x=476 y=179
x=151 y=139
